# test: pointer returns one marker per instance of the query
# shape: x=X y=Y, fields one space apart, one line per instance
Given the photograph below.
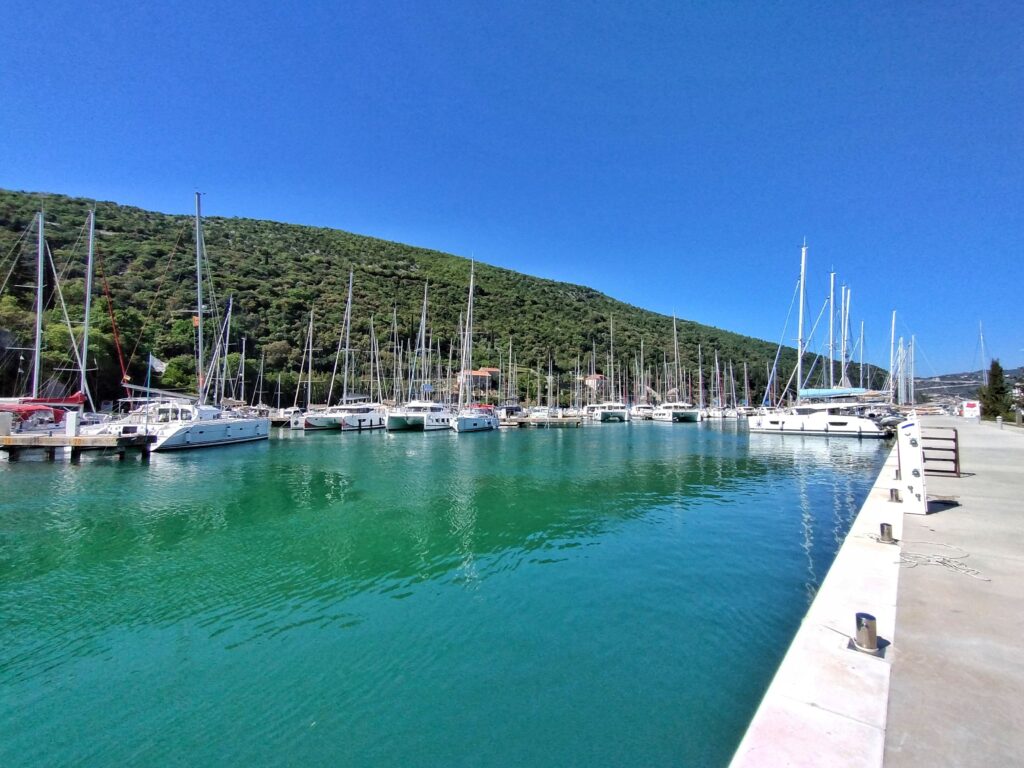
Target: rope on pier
x=953 y=561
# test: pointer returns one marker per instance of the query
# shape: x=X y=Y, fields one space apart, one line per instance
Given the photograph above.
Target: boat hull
x=208 y=433
x=363 y=422
x=418 y=422
x=782 y=424
x=474 y=423
x=315 y=421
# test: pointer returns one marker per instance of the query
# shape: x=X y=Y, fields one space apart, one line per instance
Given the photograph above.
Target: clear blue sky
x=673 y=155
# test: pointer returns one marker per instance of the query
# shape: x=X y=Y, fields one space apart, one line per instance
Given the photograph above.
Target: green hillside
x=276 y=273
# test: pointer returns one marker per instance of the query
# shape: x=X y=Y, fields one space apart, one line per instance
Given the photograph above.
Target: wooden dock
x=73 y=447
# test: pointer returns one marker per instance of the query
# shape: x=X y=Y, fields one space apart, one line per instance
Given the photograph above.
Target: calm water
x=614 y=595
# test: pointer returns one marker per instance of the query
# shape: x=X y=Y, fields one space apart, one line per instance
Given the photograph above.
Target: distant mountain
x=277 y=273
x=963 y=385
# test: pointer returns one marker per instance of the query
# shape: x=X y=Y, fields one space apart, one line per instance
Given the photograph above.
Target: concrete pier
x=957 y=689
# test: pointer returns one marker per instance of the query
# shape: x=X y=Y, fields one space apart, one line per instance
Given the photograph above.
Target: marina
x=527 y=385
x=398 y=596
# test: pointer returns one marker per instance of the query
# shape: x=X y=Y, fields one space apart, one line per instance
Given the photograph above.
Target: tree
x=995 y=397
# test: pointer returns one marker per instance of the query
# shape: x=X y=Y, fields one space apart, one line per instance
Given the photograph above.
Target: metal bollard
x=886 y=534
x=866 y=638
x=999 y=421
x=894 y=494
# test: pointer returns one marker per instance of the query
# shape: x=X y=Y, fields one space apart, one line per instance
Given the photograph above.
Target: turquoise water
x=613 y=595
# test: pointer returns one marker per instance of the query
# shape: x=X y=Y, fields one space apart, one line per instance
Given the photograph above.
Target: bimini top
x=838 y=392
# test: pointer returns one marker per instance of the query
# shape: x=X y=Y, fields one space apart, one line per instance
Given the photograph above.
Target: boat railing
x=941 y=447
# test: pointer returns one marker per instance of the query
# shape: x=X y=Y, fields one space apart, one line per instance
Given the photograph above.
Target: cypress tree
x=995 y=397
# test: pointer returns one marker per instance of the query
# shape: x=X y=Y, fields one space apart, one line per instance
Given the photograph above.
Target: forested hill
x=278 y=272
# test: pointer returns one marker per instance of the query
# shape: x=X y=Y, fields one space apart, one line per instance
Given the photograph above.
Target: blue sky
x=672 y=155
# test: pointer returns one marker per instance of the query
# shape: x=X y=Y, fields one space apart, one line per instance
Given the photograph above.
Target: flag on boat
x=159 y=366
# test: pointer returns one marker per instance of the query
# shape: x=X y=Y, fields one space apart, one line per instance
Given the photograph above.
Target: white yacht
x=349 y=417
x=475 y=418
x=180 y=424
x=676 y=412
x=642 y=412
x=822 y=419
x=362 y=416
x=607 y=412
x=419 y=416
x=827 y=415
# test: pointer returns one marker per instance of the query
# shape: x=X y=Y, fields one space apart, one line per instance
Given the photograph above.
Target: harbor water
x=606 y=596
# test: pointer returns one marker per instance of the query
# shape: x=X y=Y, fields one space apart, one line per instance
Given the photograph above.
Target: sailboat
x=470 y=417
x=36 y=411
x=349 y=415
x=190 y=422
x=830 y=417
x=676 y=410
x=420 y=415
x=613 y=410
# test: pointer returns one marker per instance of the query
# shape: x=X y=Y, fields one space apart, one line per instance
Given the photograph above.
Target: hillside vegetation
x=277 y=273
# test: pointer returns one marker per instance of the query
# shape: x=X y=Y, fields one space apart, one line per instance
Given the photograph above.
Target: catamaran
x=837 y=414
x=676 y=412
x=419 y=415
x=180 y=422
x=353 y=413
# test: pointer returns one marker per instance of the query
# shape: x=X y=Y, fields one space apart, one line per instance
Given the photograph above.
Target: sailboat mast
x=421 y=339
x=241 y=373
x=981 y=341
x=861 y=354
x=309 y=376
x=375 y=375
x=83 y=385
x=675 y=348
x=224 y=351
x=700 y=375
x=199 y=300
x=348 y=329
x=800 y=327
x=466 y=366
x=831 y=335
x=846 y=335
x=611 y=353
x=892 y=359
x=36 y=361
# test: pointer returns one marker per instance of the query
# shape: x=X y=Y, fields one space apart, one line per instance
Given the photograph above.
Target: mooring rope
x=953 y=562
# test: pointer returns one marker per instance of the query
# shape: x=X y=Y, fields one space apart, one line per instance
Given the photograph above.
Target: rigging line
x=778 y=351
x=153 y=304
x=113 y=321
x=817 y=356
x=917 y=346
x=71 y=255
x=71 y=333
x=14 y=261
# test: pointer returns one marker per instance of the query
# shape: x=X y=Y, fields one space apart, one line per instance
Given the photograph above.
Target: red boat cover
x=76 y=399
x=23 y=411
